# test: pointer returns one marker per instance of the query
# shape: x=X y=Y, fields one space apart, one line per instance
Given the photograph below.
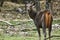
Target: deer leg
x=44 y=30
x=50 y=28
x=38 y=29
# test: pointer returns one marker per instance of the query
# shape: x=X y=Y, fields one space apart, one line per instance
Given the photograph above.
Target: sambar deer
x=42 y=19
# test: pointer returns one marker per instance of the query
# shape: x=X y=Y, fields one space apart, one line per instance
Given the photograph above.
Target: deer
x=42 y=19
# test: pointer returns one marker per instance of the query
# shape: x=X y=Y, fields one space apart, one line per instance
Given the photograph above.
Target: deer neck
x=32 y=14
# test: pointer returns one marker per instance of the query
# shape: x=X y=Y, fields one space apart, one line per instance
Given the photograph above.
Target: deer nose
x=33 y=6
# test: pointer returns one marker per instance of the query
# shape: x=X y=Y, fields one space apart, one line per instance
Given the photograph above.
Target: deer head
x=30 y=6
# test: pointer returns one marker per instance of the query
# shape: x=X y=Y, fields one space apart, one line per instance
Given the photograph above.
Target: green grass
x=27 y=22
x=33 y=33
x=34 y=36
x=56 y=21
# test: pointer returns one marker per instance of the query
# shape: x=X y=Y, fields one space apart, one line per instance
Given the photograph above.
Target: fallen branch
x=6 y=22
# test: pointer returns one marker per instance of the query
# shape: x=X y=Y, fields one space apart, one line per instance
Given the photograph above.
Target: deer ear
x=33 y=3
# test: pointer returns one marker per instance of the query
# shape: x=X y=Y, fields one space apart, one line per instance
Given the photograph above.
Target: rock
x=23 y=33
x=56 y=26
